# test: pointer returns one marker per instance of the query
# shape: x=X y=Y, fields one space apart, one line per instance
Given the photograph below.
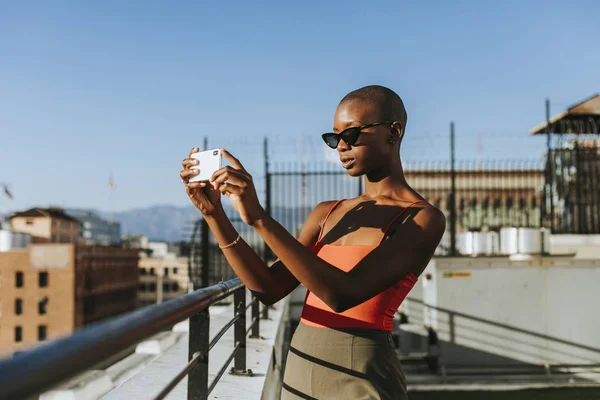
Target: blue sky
x=87 y=88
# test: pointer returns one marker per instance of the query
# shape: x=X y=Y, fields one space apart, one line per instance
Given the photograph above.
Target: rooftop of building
x=52 y=212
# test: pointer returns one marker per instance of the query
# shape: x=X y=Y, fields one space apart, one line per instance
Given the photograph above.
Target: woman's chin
x=354 y=171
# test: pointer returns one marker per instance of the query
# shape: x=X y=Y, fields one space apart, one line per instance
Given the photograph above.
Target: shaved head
x=385 y=100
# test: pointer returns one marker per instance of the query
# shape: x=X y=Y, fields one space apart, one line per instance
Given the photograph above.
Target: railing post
x=239 y=333
x=198 y=342
x=453 y=251
x=255 y=317
x=265 y=312
x=267 y=254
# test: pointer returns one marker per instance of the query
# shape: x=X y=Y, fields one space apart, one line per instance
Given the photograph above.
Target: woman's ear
x=397 y=131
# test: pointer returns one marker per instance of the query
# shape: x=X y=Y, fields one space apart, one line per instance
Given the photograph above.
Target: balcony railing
x=33 y=372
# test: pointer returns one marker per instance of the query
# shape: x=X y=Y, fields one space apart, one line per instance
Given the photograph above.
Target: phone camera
x=215 y=152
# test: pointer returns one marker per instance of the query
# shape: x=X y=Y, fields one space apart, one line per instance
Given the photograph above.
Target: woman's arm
x=409 y=250
x=269 y=284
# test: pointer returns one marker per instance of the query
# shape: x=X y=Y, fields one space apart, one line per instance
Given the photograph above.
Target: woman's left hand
x=236 y=183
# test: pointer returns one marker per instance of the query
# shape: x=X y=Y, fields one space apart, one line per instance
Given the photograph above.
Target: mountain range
x=174 y=223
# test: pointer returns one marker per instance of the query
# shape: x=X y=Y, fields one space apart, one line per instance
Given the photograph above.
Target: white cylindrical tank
x=465 y=243
x=530 y=241
x=509 y=243
x=479 y=243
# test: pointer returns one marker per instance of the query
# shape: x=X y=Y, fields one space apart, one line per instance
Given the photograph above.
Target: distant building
x=13 y=240
x=46 y=225
x=139 y=242
x=485 y=198
x=50 y=290
x=96 y=230
x=162 y=250
x=162 y=279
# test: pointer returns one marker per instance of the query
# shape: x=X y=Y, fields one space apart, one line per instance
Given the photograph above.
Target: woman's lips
x=347 y=162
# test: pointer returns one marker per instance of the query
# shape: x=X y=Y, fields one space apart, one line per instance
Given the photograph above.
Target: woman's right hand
x=202 y=194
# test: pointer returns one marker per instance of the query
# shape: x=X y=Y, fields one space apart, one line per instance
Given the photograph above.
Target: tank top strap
x=327 y=216
x=396 y=217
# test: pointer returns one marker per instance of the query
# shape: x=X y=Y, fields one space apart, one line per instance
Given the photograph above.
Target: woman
x=357 y=257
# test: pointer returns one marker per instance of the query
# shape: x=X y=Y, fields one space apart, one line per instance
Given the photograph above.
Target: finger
x=228 y=188
x=233 y=177
x=187 y=173
x=229 y=172
x=195 y=185
x=234 y=161
x=188 y=162
x=192 y=151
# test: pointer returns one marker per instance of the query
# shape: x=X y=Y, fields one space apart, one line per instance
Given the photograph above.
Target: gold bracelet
x=231 y=244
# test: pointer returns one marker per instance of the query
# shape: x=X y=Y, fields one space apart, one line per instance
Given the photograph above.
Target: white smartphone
x=209 y=161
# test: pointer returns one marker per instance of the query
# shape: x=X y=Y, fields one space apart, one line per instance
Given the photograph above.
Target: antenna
x=111 y=188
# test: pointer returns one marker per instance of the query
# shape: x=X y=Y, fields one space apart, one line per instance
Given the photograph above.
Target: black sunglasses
x=350 y=135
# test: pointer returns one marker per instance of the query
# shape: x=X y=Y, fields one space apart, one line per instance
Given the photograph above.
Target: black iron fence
x=561 y=192
x=571 y=194
x=32 y=372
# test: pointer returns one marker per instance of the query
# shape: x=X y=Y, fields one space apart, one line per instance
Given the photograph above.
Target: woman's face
x=372 y=150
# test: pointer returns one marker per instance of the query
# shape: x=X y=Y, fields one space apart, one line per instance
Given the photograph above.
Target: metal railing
x=35 y=371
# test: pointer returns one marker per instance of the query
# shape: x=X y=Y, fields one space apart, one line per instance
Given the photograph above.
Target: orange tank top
x=375 y=313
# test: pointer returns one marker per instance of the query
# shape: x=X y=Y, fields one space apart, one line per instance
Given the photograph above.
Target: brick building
x=46 y=225
x=50 y=290
x=162 y=279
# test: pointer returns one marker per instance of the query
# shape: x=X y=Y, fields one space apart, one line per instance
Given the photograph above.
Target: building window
x=175 y=270
x=166 y=287
x=43 y=279
x=18 y=306
x=151 y=271
x=174 y=287
x=19 y=279
x=43 y=306
x=142 y=287
x=153 y=287
x=166 y=271
x=143 y=271
x=42 y=332
x=18 y=334
x=29 y=222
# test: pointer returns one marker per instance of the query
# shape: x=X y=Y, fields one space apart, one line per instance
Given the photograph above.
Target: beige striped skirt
x=349 y=364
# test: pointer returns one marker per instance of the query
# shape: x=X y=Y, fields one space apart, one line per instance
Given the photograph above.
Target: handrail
x=24 y=375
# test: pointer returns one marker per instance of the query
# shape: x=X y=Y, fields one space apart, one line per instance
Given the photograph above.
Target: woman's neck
x=387 y=182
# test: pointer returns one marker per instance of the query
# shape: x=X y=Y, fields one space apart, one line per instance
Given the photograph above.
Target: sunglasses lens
x=350 y=135
x=331 y=139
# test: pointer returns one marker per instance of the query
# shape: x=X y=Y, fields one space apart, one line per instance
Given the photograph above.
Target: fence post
x=549 y=166
x=267 y=250
x=452 y=193
x=204 y=270
x=198 y=342
x=239 y=333
x=578 y=198
x=255 y=317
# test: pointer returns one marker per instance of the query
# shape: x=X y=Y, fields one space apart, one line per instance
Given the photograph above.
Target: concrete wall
x=496 y=311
